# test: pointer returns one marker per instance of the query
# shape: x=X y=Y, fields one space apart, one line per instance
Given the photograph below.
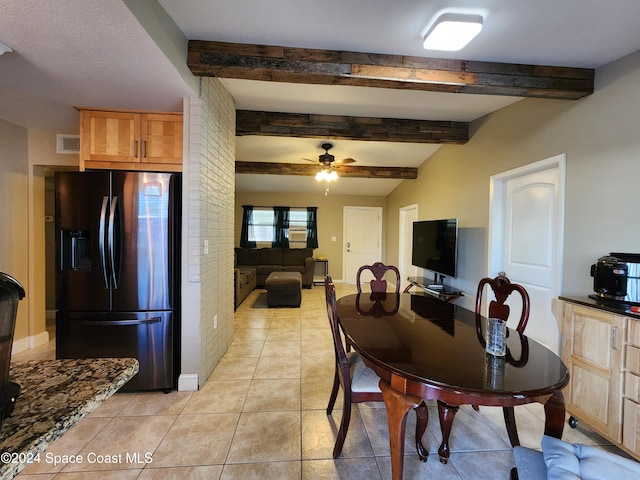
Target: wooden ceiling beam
x=266 y=168
x=350 y=128
x=330 y=67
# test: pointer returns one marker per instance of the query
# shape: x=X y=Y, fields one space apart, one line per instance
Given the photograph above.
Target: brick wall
x=209 y=190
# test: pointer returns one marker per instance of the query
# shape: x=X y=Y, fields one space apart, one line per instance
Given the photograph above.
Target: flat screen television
x=435 y=246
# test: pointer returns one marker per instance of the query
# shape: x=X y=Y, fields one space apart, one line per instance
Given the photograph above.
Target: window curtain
x=247 y=226
x=312 y=227
x=281 y=227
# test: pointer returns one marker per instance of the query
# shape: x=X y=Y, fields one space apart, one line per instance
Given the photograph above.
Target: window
x=262 y=226
x=297 y=234
x=279 y=226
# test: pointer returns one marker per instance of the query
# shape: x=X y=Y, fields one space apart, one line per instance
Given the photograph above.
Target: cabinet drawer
x=633 y=332
x=632 y=386
x=631 y=426
x=632 y=363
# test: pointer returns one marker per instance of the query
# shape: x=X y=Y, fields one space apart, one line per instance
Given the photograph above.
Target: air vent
x=67 y=143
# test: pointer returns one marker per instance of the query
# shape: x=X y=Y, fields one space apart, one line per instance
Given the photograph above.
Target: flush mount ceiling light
x=452 y=31
x=5 y=48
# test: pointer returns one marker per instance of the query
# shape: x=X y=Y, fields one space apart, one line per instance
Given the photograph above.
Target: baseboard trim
x=32 y=341
x=188 y=382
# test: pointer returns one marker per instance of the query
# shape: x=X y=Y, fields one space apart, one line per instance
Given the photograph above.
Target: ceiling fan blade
x=309 y=160
x=345 y=161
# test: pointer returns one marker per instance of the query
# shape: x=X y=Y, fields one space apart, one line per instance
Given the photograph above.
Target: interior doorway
x=362 y=227
x=408 y=215
x=526 y=236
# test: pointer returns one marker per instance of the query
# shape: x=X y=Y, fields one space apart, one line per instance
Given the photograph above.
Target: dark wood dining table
x=423 y=348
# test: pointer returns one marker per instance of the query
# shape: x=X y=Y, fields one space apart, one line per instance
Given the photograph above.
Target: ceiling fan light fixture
x=452 y=31
x=326 y=176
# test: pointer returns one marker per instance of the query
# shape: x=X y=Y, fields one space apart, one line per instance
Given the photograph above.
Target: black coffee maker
x=10 y=293
x=610 y=277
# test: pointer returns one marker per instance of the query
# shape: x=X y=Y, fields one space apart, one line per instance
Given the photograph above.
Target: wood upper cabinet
x=593 y=347
x=161 y=138
x=130 y=140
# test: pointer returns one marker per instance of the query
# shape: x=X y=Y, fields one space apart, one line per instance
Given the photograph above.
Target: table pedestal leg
x=554 y=412
x=446 y=413
x=398 y=404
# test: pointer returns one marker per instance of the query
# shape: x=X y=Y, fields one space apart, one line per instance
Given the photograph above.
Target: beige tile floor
x=261 y=415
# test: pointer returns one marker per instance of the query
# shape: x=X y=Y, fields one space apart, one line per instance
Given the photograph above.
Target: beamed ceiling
x=268 y=63
x=305 y=73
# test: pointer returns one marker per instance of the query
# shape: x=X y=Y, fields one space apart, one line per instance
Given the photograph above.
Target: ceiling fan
x=328 y=161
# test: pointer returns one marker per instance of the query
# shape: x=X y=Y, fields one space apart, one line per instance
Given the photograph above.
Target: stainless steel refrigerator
x=117 y=275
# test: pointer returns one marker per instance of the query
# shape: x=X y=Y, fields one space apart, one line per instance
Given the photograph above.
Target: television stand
x=443 y=292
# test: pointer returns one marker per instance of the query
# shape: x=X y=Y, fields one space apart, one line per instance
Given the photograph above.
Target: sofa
x=268 y=260
x=560 y=460
x=244 y=282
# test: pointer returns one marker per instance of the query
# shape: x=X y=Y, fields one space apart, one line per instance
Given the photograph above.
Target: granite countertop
x=54 y=396
x=613 y=306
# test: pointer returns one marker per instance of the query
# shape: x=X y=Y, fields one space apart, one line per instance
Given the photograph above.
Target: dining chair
x=378 y=284
x=359 y=383
x=502 y=288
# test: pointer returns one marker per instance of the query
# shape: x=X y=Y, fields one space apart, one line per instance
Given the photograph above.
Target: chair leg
x=344 y=426
x=422 y=419
x=510 y=422
x=476 y=408
x=334 y=392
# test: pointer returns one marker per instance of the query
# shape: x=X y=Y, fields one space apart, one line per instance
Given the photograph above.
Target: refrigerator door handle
x=115 y=274
x=122 y=323
x=101 y=246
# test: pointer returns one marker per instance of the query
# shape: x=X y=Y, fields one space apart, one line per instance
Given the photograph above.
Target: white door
x=408 y=215
x=526 y=238
x=362 y=240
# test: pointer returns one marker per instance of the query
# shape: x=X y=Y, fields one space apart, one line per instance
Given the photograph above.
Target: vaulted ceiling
x=353 y=72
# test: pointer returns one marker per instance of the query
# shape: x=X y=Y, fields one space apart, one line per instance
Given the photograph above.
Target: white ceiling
x=96 y=52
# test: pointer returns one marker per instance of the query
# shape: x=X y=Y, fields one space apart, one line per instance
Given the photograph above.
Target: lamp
x=452 y=31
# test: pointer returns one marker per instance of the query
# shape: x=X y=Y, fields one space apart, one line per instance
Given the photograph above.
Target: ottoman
x=284 y=289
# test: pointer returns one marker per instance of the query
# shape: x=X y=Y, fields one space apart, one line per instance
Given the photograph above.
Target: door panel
x=81 y=283
x=408 y=215
x=147 y=336
x=530 y=227
x=362 y=229
x=143 y=250
x=528 y=241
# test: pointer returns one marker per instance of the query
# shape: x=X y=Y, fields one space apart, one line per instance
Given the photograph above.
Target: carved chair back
x=502 y=289
x=378 y=284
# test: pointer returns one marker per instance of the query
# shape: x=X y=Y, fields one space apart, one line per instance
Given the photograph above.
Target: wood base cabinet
x=130 y=140
x=602 y=352
x=631 y=423
x=592 y=349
